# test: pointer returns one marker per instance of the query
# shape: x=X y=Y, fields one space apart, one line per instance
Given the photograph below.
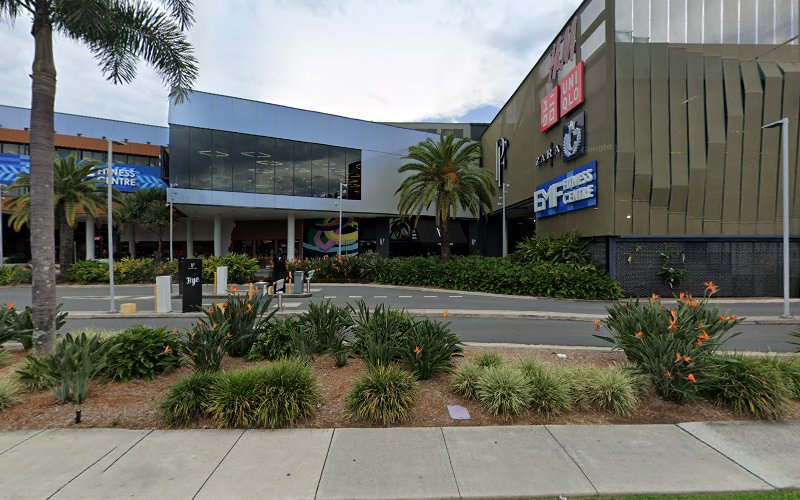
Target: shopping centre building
x=640 y=127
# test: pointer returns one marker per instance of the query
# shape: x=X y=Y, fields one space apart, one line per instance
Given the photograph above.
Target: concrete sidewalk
x=449 y=462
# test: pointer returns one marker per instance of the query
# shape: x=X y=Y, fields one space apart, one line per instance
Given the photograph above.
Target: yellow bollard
x=155 y=294
x=127 y=308
x=215 y=282
x=250 y=292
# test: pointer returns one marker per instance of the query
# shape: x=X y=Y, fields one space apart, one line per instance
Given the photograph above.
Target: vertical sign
x=571 y=89
x=550 y=113
x=192 y=281
x=500 y=160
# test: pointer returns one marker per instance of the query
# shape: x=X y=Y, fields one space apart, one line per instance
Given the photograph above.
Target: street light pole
x=110 y=213
x=171 y=195
x=341 y=188
x=784 y=124
x=505 y=235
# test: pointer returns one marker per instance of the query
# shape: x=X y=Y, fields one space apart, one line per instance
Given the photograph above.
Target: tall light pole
x=110 y=213
x=784 y=124
x=171 y=195
x=342 y=185
x=505 y=231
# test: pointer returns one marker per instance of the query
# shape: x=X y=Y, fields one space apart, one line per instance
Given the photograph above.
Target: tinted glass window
x=222 y=173
x=243 y=158
x=179 y=156
x=284 y=166
x=302 y=169
x=353 y=174
x=337 y=171
x=200 y=153
x=265 y=165
x=319 y=171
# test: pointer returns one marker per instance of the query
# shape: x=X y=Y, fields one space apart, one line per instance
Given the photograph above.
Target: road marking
x=330 y=297
x=316 y=290
x=404 y=296
x=381 y=297
x=355 y=296
x=429 y=296
x=456 y=296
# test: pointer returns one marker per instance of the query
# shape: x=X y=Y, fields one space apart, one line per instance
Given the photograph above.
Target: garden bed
x=135 y=404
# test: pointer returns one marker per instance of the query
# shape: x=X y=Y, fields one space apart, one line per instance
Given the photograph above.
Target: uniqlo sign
x=571 y=89
x=550 y=115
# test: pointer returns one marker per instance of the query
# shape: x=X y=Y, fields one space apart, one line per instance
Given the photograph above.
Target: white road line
x=429 y=296
x=404 y=296
x=456 y=296
x=316 y=290
x=355 y=296
x=330 y=296
x=381 y=297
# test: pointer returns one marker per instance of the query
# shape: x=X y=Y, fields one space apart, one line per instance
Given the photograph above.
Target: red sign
x=571 y=88
x=550 y=114
x=563 y=49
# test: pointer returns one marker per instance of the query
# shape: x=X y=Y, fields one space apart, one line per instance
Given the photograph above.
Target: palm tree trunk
x=132 y=241
x=41 y=222
x=159 y=257
x=66 y=256
x=445 y=239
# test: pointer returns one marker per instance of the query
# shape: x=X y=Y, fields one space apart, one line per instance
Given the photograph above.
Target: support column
x=217 y=236
x=290 y=238
x=189 y=240
x=89 y=238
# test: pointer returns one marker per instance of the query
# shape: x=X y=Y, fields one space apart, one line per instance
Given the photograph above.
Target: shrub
x=276 y=395
x=549 y=388
x=14 y=275
x=378 y=333
x=87 y=272
x=76 y=360
x=752 y=386
x=187 y=399
x=24 y=324
x=129 y=270
x=564 y=249
x=9 y=393
x=614 y=390
x=246 y=317
x=8 y=324
x=343 y=268
x=204 y=345
x=241 y=267
x=489 y=360
x=303 y=342
x=384 y=395
x=289 y=392
x=327 y=323
x=31 y=376
x=141 y=352
x=5 y=358
x=671 y=346
x=18 y=258
x=275 y=340
x=790 y=369
x=504 y=391
x=429 y=348
x=465 y=379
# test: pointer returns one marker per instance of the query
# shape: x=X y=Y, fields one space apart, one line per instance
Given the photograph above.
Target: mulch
x=135 y=405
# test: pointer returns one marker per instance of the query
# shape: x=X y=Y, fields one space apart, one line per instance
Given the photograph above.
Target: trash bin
x=298 y=282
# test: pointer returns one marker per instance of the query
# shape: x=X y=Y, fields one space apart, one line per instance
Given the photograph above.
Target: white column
x=217 y=236
x=189 y=240
x=89 y=238
x=290 y=238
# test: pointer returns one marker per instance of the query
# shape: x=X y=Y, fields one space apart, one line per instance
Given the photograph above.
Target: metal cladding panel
x=770 y=151
x=715 y=124
x=753 y=115
x=696 y=100
x=624 y=185
x=659 y=92
x=679 y=165
x=86 y=126
x=733 y=148
x=791 y=109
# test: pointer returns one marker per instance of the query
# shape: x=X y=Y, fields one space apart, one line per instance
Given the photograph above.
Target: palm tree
x=118 y=33
x=75 y=188
x=447 y=176
x=147 y=208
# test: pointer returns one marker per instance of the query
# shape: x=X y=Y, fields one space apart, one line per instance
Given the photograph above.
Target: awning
x=428 y=232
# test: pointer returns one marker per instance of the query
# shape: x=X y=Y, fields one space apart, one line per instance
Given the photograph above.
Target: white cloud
x=384 y=60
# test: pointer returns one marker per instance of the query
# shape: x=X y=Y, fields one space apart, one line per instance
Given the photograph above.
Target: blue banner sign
x=574 y=190
x=126 y=178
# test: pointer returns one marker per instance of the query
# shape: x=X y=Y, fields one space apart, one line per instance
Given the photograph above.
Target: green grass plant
x=490 y=360
x=9 y=393
x=550 y=392
x=384 y=395
x=749 y=385
x=465 y=379
x=5 y=358
x=504 y=391
x=187 y=399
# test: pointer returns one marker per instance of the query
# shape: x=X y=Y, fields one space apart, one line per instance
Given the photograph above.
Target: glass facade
x=227 y=161
x=123 y=159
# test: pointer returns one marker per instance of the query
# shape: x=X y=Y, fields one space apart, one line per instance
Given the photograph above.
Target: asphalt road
x=773 y=338
x=95 y=298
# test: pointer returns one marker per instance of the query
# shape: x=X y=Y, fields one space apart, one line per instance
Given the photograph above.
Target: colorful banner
x=126 y=178
x=321 y=237
x=574 y=190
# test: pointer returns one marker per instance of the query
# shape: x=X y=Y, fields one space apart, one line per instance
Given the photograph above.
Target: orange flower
x=639 y=335
x=692 y=379
x=692 y=303
x=228 y=334
x=234 y=289
x=732 y=317
x=722 y=317
x=11 y=305
x=682 y=296
x=249 y=307
x=678 y=357
x=167 y=349
x=703 y=336
x=667 y=374
x=214 y=327
x=174 y=331
x=673 y=323
x=686 y=359
x=417 y=350
x=655 y=296
x=711 y=288
x=699 y=343
x=597 y=325
x=445 y=314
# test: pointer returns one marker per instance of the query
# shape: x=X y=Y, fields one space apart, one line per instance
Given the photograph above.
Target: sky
x=379 y=60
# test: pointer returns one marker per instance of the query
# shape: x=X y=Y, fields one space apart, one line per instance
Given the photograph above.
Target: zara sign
x=574 y=190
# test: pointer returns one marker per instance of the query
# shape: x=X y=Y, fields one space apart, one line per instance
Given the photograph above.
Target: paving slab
x=11 y=439
x=635 y=459
x=271 y=464
x=770 y=450
x=165 y=464
x=513 y=462
x=39 y=466
x=387 y=463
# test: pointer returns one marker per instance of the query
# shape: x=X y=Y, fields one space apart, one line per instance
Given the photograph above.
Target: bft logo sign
x=501 y=160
